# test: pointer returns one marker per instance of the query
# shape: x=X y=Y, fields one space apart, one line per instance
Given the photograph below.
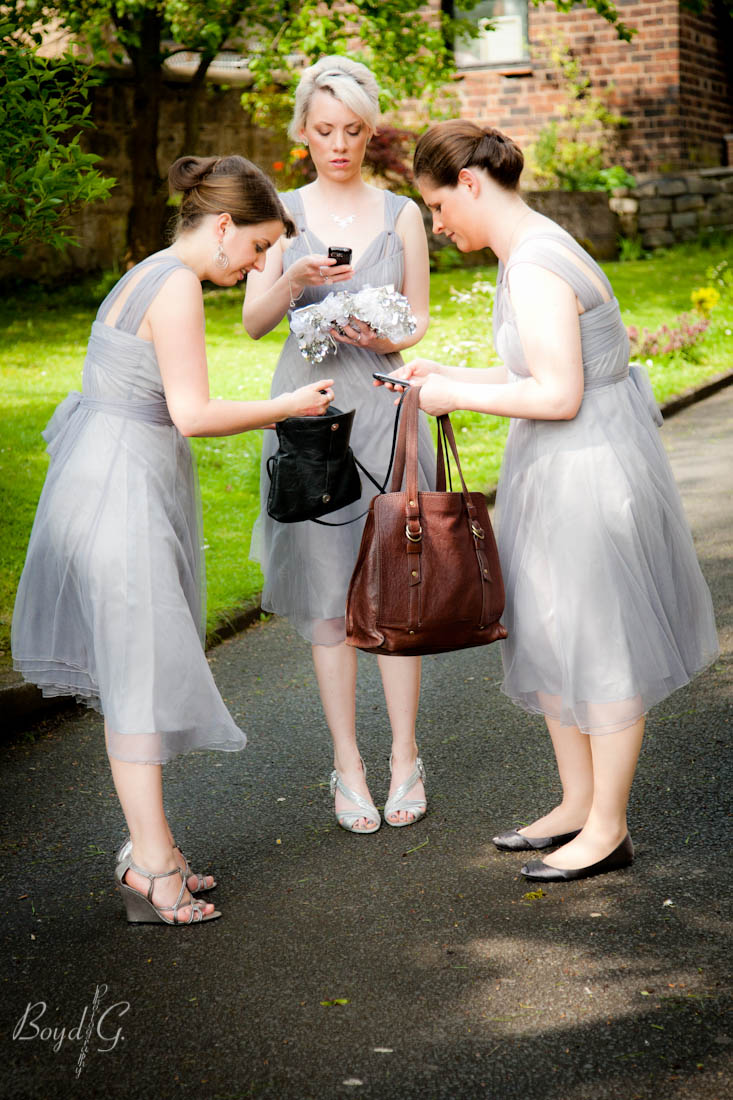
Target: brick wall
x=671 y=82
x=706 y=86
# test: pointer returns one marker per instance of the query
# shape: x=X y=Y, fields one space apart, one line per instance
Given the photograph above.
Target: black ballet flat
x=514 y=841
x=620 y=857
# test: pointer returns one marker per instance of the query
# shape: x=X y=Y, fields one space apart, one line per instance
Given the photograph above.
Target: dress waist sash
x=640 y=379
x=149 y=412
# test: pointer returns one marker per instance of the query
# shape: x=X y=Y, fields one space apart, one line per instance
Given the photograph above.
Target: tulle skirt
x=109 y=608
x=607 y=610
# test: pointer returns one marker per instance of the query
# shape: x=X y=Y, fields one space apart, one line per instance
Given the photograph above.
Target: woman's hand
x=310 y=400
x=316 y=270
x=417 y=370
x=437 y=395
x=360 y=335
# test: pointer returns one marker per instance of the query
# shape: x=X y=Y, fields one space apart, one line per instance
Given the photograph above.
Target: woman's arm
x=176 y=319
x=546 y=312
x=269 y=292
x=421 y=368
x=415 y=287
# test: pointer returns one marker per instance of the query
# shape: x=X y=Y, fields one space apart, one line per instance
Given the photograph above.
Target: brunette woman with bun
x=607 y=610
x=110 y=604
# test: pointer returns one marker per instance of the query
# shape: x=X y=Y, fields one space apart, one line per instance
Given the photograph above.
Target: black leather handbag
x=313 y=472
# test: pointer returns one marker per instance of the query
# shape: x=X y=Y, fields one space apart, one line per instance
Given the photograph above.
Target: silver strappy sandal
x=141 y=909
x=348 y=818
x=125 y=853
x=417 y=807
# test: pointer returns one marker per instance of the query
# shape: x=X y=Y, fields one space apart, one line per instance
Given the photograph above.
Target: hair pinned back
x=348 y=81
x=231 y=185
x=448 y=147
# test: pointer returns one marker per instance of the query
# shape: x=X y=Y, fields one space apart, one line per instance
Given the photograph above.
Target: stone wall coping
x=723 y=170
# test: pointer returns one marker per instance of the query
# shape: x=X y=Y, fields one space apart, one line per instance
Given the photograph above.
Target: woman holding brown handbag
x=607 y=611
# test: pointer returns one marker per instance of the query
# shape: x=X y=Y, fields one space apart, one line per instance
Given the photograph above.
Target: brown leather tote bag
x=427 y=579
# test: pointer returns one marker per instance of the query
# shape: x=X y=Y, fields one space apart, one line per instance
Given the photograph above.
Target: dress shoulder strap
x=158 y=268
x=293 y=203
x=550 y=250
x=393 y=207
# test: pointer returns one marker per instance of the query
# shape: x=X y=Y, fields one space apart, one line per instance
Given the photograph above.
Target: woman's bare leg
x=614 y=762
x=140 y=791
x=575 y=768
x=335 y=667
x=401 y=682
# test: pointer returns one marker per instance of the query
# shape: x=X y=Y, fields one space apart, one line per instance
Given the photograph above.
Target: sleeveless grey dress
x=109 y=607
x=607 y=610
x=307 y=566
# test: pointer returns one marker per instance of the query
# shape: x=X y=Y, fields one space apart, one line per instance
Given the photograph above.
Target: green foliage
x=631 y=248
x=408 y=54
x=574 y=154
x=45 y=173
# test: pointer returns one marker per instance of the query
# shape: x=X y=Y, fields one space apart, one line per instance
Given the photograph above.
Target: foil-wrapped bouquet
x=384 y=309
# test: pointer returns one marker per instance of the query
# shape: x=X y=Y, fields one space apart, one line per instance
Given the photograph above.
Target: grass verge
x=44 y=342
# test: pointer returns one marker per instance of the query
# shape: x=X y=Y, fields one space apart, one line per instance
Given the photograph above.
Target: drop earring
x=220 y=257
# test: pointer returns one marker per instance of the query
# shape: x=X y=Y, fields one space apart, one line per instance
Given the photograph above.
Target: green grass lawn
x=43 y=345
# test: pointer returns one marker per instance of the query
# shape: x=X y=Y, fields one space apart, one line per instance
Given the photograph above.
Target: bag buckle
x=416 y=537
x=478 y=531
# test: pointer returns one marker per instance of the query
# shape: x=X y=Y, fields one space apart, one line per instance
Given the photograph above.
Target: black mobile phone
x=341 y=255
x=388 y=378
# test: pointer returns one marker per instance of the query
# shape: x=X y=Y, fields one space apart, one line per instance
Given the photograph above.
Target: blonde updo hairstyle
x=448 y=147
x=225 y=185
x=350 y=82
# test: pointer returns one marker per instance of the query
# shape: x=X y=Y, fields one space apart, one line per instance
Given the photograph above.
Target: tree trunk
x=145 y=227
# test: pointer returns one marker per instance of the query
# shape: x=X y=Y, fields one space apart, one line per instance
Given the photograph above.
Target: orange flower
x=298 y=154
x=278 y=165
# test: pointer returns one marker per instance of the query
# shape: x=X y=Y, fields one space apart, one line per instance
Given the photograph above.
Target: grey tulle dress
x=606 y=608
x=307 y=566
x=109 y=607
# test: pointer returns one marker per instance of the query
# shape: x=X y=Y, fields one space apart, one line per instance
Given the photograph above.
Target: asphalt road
x=457 y=982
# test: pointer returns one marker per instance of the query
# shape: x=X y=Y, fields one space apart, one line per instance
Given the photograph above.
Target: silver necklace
x=343 y=222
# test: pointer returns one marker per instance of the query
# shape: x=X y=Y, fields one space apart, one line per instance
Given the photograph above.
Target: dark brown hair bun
x=231 y=185
x=448 y=147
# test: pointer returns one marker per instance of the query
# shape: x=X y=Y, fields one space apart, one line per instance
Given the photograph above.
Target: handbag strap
x=381 y=489
x=406 y=465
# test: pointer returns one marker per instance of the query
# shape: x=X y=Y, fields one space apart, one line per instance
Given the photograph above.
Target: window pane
x=506 y=42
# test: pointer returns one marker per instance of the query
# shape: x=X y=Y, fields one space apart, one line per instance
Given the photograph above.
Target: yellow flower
x=298 y=154
x=705 y=299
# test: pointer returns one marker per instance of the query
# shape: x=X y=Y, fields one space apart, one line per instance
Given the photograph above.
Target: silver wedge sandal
x=141 y=909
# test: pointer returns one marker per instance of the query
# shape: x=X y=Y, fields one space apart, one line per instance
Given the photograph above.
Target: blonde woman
x=307 y=566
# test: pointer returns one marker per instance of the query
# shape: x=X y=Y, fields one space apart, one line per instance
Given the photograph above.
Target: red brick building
x=673 y=81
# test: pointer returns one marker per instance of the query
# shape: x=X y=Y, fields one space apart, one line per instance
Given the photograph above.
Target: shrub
x=665 y=341
x=575 y=153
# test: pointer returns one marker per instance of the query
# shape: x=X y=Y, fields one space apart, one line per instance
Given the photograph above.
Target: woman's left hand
x=360 y=335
